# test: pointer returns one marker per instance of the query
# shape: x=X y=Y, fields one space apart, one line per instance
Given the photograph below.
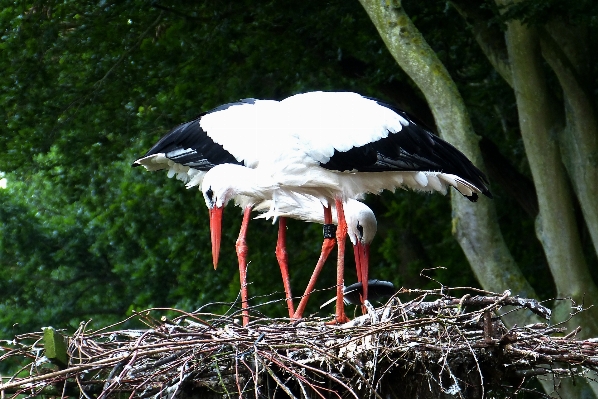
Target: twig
x=430 y=339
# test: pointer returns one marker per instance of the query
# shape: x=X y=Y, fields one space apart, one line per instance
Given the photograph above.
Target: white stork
x=360 y=224
x=177 y=153
x=361 y=228
x=334 y=146
x=191 y=149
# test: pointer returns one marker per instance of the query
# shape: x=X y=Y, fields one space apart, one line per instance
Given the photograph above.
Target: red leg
x=283 y=262
x=341 y=234
x=327 y=246
x=242 y=256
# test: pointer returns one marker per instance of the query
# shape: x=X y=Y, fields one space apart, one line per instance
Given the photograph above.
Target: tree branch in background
x=556 y=226
x=475 y=225
x=490 y=39
x=579 y=140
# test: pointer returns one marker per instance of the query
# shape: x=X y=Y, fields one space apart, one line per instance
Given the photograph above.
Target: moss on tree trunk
x=475 y=225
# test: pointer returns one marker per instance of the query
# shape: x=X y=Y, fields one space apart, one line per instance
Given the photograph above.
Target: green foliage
x=89 y=87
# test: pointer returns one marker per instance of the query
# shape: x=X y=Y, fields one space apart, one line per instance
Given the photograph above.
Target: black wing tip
x=483 y=186
x=474 y=196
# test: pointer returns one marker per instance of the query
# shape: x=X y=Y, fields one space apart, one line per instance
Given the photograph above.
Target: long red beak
x=216 y=232
x=362 y=262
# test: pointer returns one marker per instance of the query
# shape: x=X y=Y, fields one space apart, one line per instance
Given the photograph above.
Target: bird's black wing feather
x=189 y=145
x=414 y=148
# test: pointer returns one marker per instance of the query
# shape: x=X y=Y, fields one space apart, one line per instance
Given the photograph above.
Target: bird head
x=223 y=183
x=217 y=194
x=215 y=223
x=361 y=228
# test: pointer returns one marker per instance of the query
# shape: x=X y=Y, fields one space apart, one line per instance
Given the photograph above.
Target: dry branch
x=432 y=346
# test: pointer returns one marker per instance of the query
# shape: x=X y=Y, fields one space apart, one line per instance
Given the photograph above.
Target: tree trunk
x=556 y=226
x=490 y=39
x=474 y=225
x=579 y=140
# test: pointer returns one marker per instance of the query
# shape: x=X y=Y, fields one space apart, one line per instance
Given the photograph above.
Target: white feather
x=434 y=183
x=310 y=209
x=153 y=162
x=192 y=172
x=421 y=179
x=247 y=130
x=352 y=121
x=196 y=179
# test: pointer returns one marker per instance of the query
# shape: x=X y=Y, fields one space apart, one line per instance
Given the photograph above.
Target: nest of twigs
x=433 y=346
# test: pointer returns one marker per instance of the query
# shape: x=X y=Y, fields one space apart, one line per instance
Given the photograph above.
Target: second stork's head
x=223 y=183
x=361 y=228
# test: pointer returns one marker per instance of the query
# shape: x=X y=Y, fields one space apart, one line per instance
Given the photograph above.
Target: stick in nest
x=432 y=344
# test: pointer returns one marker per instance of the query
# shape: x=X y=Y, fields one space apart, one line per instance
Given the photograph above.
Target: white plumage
x=292 y=138
x=332 y=146
x=361 y=221
x=328 y=121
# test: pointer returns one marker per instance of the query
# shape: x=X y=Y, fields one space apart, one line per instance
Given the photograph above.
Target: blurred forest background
x=88 y=87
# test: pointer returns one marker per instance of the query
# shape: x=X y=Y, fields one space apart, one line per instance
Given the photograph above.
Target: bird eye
x=360 y=229
x=210 y=194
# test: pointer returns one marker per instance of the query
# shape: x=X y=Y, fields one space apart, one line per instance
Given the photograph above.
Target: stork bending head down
x=337 y=146
x=225 y=182
x=361 y=228
x=332 y=145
